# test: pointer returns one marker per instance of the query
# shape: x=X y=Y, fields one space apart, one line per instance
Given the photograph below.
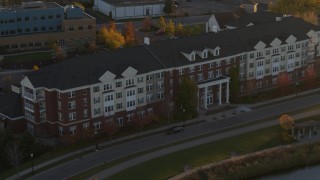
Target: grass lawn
x=172 y=164
x=28 y=57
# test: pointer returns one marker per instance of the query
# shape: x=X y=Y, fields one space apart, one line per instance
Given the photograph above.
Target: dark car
x=175 y=130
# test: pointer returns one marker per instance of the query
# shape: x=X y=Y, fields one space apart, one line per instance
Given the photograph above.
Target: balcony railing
x=29 y=117
x=28 y=95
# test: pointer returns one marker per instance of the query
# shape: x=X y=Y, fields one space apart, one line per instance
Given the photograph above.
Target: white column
x=220 y=89
x=227 y=93
x=205 y=97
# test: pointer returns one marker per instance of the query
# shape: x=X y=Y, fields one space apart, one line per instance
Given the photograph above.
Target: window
x=85 y=113
x=140 y=100
x=149 y=87
x=140 y=79
x=84 y=92
x=290 y=48
x=50 y=17
x=267 y=52
x=60 y=130
x=26 y=18
x=96 y=111
x=108 y=109
x=274 y=80
x=85 y=125
x=96 y=89
x=120 y=121
x=297 y=54
x=200 y=67
x=283 y=49
x=80 y=28
x=119 y=106
x=118 y=84
x=131 y=103
x=260 y=63
x=160 y=95
x=119 y=95
x=275 y=51
x=59 y=105
x=218 y=73
x=108 y=97
x=97 y=125
x=211 y=65
x=252 y=55
x=58 y=16
x=192 y=57
x=59 y=116
x=275 y=60
x=72 y=105
x=298 y=46
x=200 y=77
x=71 y=94
x=267 y=61
x=18 y=19
x=227 y=70
x=72 y=116
x=96 y=100
x=218 y=63
x=210 y=75
x=216 y=52
x=297 y=63
x=89 y=26
x=181 y=71
x=42 y=17
x=251 y=65
x=275 y=69
x=160 y=85
x=140 y=90
x=150 y=97
x=267 y=70
x=131 y=92
x=205 y=54
x=107 y=87
x=72 y=130
x=259 y=54
x=129 y=82
x=228 y=61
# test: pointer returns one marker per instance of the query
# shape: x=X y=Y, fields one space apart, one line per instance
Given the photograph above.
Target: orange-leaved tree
x=129 y=34
x=112 y=38
x=287 y=123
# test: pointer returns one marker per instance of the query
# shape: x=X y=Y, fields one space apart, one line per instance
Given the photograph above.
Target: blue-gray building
x=41 y=18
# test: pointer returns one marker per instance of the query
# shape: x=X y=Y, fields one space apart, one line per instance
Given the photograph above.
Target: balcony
x=29 y=117
x=28 y=95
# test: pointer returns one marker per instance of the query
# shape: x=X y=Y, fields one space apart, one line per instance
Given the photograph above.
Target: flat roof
x=42 y=5
x=133 y=2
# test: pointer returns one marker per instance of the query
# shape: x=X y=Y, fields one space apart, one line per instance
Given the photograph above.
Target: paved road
x=75 y=166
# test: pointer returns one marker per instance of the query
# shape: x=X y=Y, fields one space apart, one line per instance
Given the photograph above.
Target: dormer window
x=205 y=54
x=192 y=56
x=216 y=52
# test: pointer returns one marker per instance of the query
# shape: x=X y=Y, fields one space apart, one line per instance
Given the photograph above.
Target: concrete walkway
x=212 y=117
x=130 y=163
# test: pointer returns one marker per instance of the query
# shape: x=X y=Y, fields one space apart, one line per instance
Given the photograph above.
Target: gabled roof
x=10 y=105
x=86 y=70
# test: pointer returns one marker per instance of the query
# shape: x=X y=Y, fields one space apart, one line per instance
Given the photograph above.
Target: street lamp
x=31 y=155
x=95 y=133
x=297 y=84
x=183 y=110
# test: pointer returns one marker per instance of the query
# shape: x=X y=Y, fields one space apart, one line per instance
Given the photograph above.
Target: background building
x=126 y=9
x=36 y=24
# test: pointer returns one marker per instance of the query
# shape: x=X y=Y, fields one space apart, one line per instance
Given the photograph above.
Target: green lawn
x=28 y=57
x=172 y=164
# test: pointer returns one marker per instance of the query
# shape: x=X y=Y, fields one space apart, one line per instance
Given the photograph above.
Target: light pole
x=183 y=110
x=31 y=155
x=297 y=85
x=95 y=133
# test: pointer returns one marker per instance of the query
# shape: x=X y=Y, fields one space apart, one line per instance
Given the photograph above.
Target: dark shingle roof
x=86 y=70
x=10 y=105
x=261 y=17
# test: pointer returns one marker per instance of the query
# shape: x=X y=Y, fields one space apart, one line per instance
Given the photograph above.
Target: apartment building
x=36 y=24
x=87 y=92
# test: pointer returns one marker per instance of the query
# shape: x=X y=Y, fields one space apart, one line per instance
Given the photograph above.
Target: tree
x=129 y=34
x=14 y=155
x=306 y=9
x=168 y=7
x=187 y=98
x=234 y=82
x=283 y=81
x=147 y=24
x=179 y=30
x=162 y=23
x=112 y=38
x=110 y=14
x=79 y=5
x=111 y=127
x=170 y=29
x=286 y=122
x=59 y=52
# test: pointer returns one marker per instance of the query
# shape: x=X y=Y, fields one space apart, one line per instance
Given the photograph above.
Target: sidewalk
x=219 y=116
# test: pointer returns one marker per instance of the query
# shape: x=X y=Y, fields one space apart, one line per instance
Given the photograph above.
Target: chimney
x=214 y=29
x=146 y=40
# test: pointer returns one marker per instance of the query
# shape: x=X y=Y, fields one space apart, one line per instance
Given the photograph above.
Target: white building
x=126 y=9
